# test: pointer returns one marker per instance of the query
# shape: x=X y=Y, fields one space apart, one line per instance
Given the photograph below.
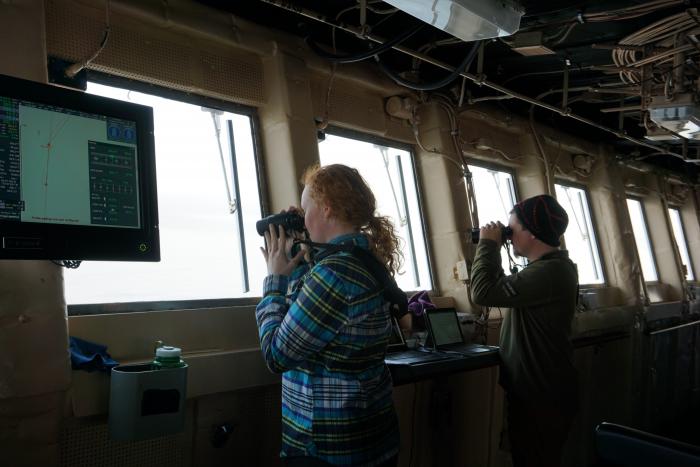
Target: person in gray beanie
x=537 y=370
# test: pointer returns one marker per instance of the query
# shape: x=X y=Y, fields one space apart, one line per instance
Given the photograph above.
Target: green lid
x=168 y=357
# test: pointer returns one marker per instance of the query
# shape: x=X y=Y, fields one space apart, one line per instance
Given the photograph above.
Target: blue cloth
x=88 y=356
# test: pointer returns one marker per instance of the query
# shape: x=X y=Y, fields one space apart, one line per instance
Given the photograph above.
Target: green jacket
x=535 y=336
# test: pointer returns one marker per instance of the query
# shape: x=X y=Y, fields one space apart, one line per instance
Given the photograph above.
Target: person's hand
x=277 y=252
x=492 y=231
x=294 y=236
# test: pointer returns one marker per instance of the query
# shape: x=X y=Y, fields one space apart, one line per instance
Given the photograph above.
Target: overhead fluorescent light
x=469 y=20
x=690 y=130
x=660 y=134
x=681 y=115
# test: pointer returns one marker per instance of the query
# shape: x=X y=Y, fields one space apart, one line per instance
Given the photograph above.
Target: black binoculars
x=506 y=233
x=290 y=222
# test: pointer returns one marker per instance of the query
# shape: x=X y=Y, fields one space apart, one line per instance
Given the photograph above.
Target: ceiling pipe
x=480 y=79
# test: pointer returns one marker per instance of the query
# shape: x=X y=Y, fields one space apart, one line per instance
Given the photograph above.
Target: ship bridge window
x=679 y=235
x=209 y=247
x=580 y=235
x=494 y=191
x=389 y=171
x=641 y=238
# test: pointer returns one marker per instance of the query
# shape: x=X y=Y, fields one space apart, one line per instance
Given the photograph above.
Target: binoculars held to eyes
x=506 y=234
x=290 y=222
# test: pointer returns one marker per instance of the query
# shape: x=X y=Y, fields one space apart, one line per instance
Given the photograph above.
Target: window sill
x=603 y=321
x=134 y=307
x=594 y=297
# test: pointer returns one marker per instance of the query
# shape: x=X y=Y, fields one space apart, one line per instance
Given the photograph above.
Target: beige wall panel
x=288 y=130
x=34 y=362
x=31 y=420
x=421 y=438
x=23 y=39
x=404 y=402
x=530 y=177
x=505 y=145
x=33 y=333
x=646 y=187
x=153 y=53
x=349 y=105
x=231 y=73
x=35 y=358
x=445 y=202
x=472 y=402
x=663 y=247
x=358 y=75
x=132 y=336
x=399 y=130
x=615 y=237
x=255 y=415
x=85 y=442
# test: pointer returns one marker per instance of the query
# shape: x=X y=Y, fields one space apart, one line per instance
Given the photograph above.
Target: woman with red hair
x=325 y=327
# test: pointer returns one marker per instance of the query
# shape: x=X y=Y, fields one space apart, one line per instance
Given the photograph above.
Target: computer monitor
x=444 y=327
x=77 y=175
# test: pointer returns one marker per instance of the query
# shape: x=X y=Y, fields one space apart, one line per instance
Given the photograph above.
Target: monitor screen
x=444 y=326
x=77 y=175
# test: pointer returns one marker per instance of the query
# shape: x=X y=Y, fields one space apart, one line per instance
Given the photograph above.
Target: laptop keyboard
x=413 y=357
x=470 y=349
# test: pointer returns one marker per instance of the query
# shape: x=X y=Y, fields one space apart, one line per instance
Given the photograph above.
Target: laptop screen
x=396 y=341
x=445 y=326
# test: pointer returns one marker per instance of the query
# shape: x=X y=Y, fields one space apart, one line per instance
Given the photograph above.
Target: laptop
x=445 y=333
x=399 y=354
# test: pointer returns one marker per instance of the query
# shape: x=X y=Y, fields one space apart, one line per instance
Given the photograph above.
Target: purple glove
x=420 y=302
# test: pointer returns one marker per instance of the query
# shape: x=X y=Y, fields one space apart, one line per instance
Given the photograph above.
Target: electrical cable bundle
x=631 y=11
x=665 y=29
x=436 y=84
x=372 y=52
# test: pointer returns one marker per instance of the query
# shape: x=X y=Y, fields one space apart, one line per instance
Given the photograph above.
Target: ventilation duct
x=469 y=20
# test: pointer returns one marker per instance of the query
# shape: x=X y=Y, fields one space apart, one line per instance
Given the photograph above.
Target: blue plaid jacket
x=326 y=329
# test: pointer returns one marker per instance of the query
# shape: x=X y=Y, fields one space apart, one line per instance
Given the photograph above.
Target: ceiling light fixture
x=469 y=20
x=681 y=115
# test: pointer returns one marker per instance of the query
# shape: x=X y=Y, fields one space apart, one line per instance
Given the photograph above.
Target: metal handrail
x=673 y=328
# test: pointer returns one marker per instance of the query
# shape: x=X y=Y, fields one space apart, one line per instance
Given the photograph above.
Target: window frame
x=651 y=241
x=685 y=239
x=203 y=101
x=520 y=262
x=373 y=139
x=500 y=168
x=594 y=226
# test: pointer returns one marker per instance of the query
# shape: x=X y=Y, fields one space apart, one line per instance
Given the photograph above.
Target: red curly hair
x=346 y=193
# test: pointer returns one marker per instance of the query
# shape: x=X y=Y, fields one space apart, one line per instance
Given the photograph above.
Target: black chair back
x=621 y=446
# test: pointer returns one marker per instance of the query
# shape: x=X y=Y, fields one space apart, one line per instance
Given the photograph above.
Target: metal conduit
x=673 y=328
x=480 y=80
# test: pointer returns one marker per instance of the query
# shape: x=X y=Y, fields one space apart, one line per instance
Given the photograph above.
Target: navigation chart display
x=61 y=166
